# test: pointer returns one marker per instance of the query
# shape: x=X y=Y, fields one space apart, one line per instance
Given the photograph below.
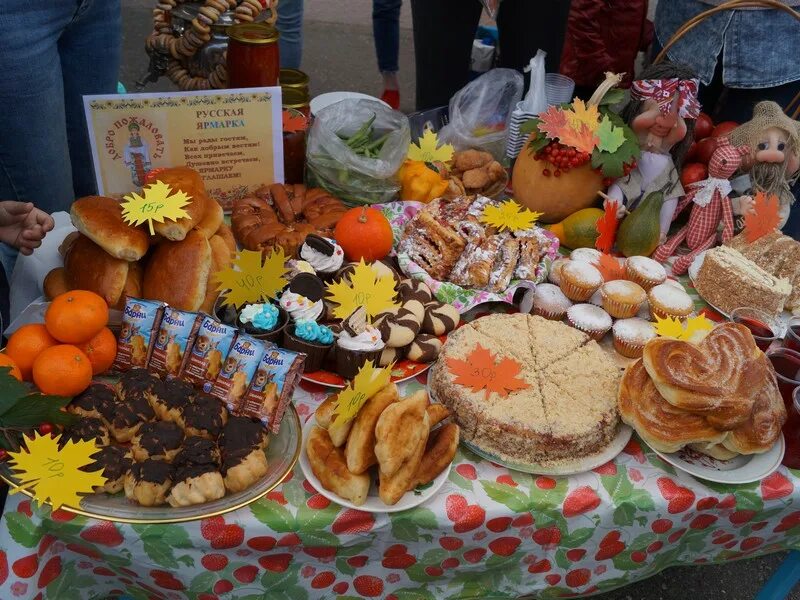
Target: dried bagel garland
x=180 y=49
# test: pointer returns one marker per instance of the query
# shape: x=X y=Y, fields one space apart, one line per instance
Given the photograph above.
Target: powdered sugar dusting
x=582 y=273
x=647 y=267
x=671 y=297
x=621 y=286
x=590 y=317
x=549 y=296
x=589 y=255
x=555 y=270
x=634 y=330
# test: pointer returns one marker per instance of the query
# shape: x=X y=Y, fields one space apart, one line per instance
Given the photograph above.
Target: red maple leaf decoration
x=607 y=228
x=610 y=267
x=481 y=370
x=553 y=122
x=294 y=121
x=764 y=220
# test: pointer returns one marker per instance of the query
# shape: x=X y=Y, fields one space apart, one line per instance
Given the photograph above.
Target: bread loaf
x=188 y=181
x=177 y=272
x=55 y=283
x=133 y=284
x=227 y=235
x=100 y=219
x=220 y=259
x=89 y=267
x=212 y=219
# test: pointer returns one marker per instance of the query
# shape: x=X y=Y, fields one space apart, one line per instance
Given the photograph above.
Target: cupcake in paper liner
x=312 y=339
x=324 y=255
x=358 y=342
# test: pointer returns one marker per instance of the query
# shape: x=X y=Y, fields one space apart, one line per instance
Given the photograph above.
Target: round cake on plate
x=567 y=410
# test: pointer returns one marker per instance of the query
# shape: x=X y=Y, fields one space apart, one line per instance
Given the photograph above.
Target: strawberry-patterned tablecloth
x=488 y=533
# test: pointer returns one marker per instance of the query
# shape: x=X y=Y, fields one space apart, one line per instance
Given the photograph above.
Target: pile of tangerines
x=61 y=356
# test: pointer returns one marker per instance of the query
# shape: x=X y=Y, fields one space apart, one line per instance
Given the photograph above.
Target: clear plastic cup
x=558 y=88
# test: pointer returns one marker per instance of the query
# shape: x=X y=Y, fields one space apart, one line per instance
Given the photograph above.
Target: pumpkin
x=420 y=182
x=555 y=197
x=364 y=232
x=579 y=230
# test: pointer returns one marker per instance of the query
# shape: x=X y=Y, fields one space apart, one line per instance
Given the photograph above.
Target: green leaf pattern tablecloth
x=488 y=533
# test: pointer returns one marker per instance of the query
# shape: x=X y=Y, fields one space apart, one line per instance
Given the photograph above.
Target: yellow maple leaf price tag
x=367 y=382
x=54 y=475
x=376 y=294
x=252 y=278
x=157 y=204
x=509 y=215
x=694 y=330
x=427 y=149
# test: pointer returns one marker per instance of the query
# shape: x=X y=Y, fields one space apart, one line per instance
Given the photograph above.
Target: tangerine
x=76 y=317
x=100 y=350
x=26 y=343
x=7 y=361
x=62 y=370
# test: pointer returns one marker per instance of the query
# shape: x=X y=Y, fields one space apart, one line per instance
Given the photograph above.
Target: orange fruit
x=7 y=361
x=26 y=343
x=100 y=350
x=62 y=370
x=76 y=317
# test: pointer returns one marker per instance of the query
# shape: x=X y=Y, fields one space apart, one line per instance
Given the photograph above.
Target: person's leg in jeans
x=525 y=26
x=90 y=50
x=386 y=32
x=290 y=26
x=443 y=34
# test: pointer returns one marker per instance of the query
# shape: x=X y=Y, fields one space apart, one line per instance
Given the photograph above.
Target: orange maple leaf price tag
x=609 y=267
x=482 y=370
x=765 y=217
x=607 y=228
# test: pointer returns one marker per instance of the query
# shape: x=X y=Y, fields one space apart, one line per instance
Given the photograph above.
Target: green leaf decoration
x=22 y=529
x=343 y=567
x=160 y=553
x=63 y=586
x=271 y=580
x=318 y=539
x=175 y=536
x=611 y=137
x=420 y=593
x=202 y=583
x=353 y=549
x=746 y=500
x=612 y=97
x=623 y=514
x=294 y=493
x=274 y=516
x=611 y=163
x=508 y=495
x=561 y=559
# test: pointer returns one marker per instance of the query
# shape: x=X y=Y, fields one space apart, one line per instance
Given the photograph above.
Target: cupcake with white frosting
x=324 y=255
x=302 y=298
x=357 y=343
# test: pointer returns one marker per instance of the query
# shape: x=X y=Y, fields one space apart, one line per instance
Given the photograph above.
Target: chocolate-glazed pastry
x=88 y=429
x=196 y=484
x=115 y=461
x=243 y=467
x=158 y=440
x=169 y=398
x=93 y=402
x=425 y=348
x=204 y=417
x=198 y=450
x=242 y=433
x=128 y=416
x=148 y=482
x=135 y=381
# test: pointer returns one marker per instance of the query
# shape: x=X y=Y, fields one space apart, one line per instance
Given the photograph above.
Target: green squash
x=638 y=234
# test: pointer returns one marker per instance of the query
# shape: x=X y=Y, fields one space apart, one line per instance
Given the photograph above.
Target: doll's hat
x=766 y=114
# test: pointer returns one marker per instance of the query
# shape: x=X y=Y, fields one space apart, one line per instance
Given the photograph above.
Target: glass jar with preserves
x=295 y=79
x=295 y=125
x=296 y=99
x=253 y=57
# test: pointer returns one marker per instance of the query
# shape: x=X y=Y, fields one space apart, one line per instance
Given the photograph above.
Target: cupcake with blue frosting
x=310 y=338
x=263 y=321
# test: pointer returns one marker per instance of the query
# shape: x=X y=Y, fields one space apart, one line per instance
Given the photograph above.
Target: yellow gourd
x=579 y=230
x=420 y=182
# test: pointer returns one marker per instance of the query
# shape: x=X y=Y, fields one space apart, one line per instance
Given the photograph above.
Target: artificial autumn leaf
x=509 y=215
x=252 y=277
x=156 y=205
x=553 y=122
x=610 y=267
x=764 y=219
x=365 y=288
x=582 y=138
x=427 y=149
x=607 y=227
x=368 y=381
x=482 y=371
x=609 y=135
x=53 y=475
x=583 y=114
x=694 y=330
x=294 y=121
x=612 y=163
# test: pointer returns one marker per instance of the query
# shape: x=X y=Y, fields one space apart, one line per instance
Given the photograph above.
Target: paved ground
x=339 y=55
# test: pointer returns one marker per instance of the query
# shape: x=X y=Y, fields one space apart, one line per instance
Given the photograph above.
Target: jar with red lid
x=253 y=56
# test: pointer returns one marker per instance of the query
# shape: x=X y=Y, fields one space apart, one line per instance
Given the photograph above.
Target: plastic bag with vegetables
x=355 y=149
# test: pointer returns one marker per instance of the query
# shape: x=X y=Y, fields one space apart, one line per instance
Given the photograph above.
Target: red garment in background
x=604 y=35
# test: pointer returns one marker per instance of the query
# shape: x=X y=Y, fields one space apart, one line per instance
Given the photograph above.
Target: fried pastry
x=93 y=402
x=243 y=467
x=168 y=398
x=114 y=461
x=196 y=484
x=439 y=452
x=159 y=440
x=148 y=482
x=204 y=417
x=324 y=415
x=530 y=252
x=712 y=378
x=397 y=431
x=392 y=486
x=329 y=466
x=437 y=413
x=360 y=449
x=88 y=429
x=664 y=427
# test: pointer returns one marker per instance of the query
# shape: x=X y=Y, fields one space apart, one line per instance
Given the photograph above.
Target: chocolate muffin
x=148 y=482
x=204 y=417
x=159 y=440
x=169 y=397
x=93 y=402
x=115 y=461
